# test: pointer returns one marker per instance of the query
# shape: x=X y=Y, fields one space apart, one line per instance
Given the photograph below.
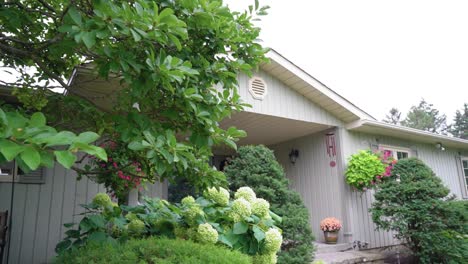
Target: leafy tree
x=460 y=126
x=416 y=208
x=393 y=117
x=425 y=117
x=256 y=166
x=171 y=57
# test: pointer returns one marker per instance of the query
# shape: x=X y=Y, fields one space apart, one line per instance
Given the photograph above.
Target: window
x=465 y=171
x=7 y=172
x=396 y=152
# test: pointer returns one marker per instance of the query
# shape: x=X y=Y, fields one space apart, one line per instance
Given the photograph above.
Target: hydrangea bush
x=245 y=224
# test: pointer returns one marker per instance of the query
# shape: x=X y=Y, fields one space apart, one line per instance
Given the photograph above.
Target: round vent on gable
x=257 y=88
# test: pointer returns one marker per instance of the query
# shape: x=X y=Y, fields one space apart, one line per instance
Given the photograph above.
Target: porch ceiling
x=269 y=130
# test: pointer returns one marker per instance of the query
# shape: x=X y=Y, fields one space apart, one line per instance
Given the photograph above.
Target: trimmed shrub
x=153 y=250
x=256 y=166
x=418 y=208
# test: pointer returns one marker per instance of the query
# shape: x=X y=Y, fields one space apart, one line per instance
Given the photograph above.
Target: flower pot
x=331 y=237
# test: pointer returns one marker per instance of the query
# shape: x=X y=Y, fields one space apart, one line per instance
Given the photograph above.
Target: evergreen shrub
x=256 y=166
x=422 y=214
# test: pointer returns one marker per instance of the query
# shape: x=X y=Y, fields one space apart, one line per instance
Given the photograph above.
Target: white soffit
x=299 y=80
x=407 y=133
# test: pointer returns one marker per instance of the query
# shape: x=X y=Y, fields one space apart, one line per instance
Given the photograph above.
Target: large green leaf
x=31 y=157
x=65 y=157
x=87 y=137
x=37 y=119
x=240 y=228
x=10 y=149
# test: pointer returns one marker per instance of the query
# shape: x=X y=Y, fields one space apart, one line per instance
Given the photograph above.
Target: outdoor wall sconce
x=293 y=155
x=439 y=146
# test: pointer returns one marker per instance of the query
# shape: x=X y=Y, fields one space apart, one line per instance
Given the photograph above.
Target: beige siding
x=283 y=101
x=442 y=162
x=318 y=183
x=40 y=210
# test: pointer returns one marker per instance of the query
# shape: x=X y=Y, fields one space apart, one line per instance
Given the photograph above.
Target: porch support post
x=346 y=205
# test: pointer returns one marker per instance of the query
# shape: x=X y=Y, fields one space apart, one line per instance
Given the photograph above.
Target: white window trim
x=464 y=194
x=10 y=178
x=395 y=149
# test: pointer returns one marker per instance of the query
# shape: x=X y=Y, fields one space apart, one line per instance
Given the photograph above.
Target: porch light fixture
x=439 y=146
x=293 y=155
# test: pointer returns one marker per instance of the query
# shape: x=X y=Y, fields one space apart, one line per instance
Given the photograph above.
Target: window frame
x=464 y=176
x=395 y=150
x=10 y=178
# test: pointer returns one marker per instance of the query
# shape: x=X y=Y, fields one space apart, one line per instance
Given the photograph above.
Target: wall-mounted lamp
x=439 y=146
x=293 y=155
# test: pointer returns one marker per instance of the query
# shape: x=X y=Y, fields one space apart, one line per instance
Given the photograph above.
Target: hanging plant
x=366 y=169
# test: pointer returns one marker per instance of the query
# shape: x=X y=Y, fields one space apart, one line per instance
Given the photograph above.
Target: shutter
x=32 y=177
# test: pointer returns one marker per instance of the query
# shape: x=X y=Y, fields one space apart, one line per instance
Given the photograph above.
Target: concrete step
x=349 y=257
x=329 y=248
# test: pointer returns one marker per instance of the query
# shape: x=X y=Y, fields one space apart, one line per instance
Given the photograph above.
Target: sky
x=377 y=54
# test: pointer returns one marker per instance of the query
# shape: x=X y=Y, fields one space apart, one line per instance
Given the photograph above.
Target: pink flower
x=114 y=164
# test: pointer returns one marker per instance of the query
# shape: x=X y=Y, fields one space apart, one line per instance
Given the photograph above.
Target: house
x=292 y=113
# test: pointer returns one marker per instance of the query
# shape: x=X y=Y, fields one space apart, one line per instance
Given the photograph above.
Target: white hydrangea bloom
x=187 y=201
x=240 y=208
x=245 y=192
x=102 y=199
x=207 y=234
x=220 y=197
x=273 y=240
x=261 y=207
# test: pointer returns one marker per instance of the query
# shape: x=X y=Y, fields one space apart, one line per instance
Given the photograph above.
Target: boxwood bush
x=256 y=166
x=422 y=214
x=153 y=250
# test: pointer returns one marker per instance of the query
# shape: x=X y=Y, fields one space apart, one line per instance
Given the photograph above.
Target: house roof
x=313 y=89
x=416 y=135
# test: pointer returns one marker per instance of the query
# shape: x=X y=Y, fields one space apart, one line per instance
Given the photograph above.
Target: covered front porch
x=316 y=173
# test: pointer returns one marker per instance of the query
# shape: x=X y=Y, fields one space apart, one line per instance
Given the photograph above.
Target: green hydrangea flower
x=102 y=199
x=191 y=214
x=206 y=234
x=117 y=231
x=136 y=227
x=220 y=197
x=273 y=240
x=245 y=192
x=131 y=216
x=187 y=201
x=265 y=259
x=261 y=207
x=240 y=209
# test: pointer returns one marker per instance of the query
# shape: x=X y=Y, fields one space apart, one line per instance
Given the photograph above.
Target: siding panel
x=443 y=163
x=40 y=210
x=313 y=178
x=283 y=101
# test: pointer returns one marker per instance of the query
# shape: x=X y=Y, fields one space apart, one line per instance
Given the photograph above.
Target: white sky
x=377 y=54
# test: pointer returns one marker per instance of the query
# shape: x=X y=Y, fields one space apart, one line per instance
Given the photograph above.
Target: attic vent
x=257 y=88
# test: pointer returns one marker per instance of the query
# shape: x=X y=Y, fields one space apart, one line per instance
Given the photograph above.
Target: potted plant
x=330 y=227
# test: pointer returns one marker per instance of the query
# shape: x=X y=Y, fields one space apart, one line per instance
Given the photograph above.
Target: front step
x=329 y=248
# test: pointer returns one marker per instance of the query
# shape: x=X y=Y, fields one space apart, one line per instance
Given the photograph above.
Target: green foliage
x=460 y=126
x=153 y=250
x=178 y=61
x=425 y=117
x=204 y=220
x=32 y=143
x=419 y=210
x=363 y=168
x=393 y=117
x=256 y=166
